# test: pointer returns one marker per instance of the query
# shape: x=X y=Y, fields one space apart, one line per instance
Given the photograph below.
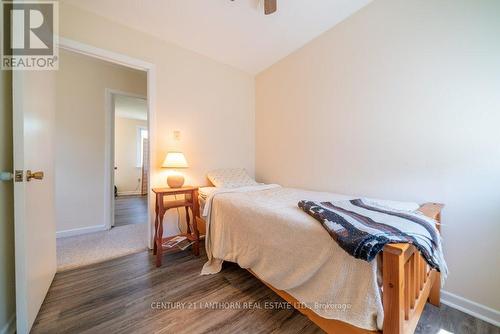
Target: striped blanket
x=363 y=228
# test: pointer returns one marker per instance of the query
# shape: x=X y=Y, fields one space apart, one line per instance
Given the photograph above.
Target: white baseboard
x=129 y=193
x=474 y=309
x=10 y=327
x=81 y=230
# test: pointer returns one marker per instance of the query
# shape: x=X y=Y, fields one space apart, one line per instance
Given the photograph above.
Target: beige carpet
x=96 y=247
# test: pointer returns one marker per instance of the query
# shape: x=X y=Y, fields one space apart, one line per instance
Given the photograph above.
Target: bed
x=260 y=228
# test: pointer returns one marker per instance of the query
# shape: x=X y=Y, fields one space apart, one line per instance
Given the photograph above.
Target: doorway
x=34 y=100
x=131 y=159
x=102 y=117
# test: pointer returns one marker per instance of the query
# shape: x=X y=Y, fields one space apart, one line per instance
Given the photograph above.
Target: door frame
x=150 y=69
x=109 y=142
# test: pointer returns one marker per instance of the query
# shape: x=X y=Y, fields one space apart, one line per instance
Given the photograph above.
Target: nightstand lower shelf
x=190 y=201
x=166 y=240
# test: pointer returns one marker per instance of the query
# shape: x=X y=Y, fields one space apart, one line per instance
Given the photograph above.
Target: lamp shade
x=175 y=160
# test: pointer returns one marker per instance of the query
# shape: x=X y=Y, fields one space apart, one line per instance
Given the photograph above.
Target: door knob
x=33 y=175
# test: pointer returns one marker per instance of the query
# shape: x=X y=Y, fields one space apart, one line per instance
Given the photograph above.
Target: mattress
x=262 y=229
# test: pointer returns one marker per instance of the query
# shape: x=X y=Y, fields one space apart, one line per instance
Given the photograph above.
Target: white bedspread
x=262 y=229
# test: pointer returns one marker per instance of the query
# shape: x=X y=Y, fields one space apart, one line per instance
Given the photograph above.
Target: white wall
x=210 y=103
x=80 y=138
x=128 y=175
x=399 y=101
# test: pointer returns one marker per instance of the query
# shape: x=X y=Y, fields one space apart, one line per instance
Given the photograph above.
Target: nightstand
x=190 y=201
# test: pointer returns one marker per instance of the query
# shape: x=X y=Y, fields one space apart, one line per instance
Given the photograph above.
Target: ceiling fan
x=269 y=6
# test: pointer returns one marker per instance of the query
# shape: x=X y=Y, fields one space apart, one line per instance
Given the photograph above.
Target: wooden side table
x=190 y=201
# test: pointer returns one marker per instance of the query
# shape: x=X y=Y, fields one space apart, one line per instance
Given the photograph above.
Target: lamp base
x=175 y=181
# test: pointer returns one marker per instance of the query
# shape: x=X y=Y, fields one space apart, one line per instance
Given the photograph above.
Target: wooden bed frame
x=407 y=280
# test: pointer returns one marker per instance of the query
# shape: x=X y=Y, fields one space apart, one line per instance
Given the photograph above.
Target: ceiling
x=131 y=107
x=236 y=32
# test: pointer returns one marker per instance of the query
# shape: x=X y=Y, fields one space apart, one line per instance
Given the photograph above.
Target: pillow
x=230 y=178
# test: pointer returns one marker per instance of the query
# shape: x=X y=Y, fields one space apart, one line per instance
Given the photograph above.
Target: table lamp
x=175 y=160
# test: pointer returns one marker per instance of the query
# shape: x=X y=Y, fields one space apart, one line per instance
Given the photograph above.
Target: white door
x=35 y=231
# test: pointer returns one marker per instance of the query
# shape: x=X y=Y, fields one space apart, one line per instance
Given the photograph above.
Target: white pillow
x=230 y=178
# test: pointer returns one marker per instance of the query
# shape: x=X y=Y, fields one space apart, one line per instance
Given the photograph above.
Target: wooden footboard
x=408 y=282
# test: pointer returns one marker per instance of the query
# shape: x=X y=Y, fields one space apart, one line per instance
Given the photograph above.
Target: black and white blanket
x=363 y=228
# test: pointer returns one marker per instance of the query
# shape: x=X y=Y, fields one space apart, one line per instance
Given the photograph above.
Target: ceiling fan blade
x=269 y=6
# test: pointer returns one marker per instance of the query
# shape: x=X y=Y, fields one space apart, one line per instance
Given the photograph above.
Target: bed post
x=393 y=299
x=435 y=294
x=433 y=210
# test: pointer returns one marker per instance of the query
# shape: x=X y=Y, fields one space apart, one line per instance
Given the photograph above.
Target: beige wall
x=399 y=101
x=80 y=137
x=7 y=282
x=128 y=175
x=210 y=103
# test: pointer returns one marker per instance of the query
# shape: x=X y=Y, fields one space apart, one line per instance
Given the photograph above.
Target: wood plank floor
x=131 y=210
x=125 y=295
